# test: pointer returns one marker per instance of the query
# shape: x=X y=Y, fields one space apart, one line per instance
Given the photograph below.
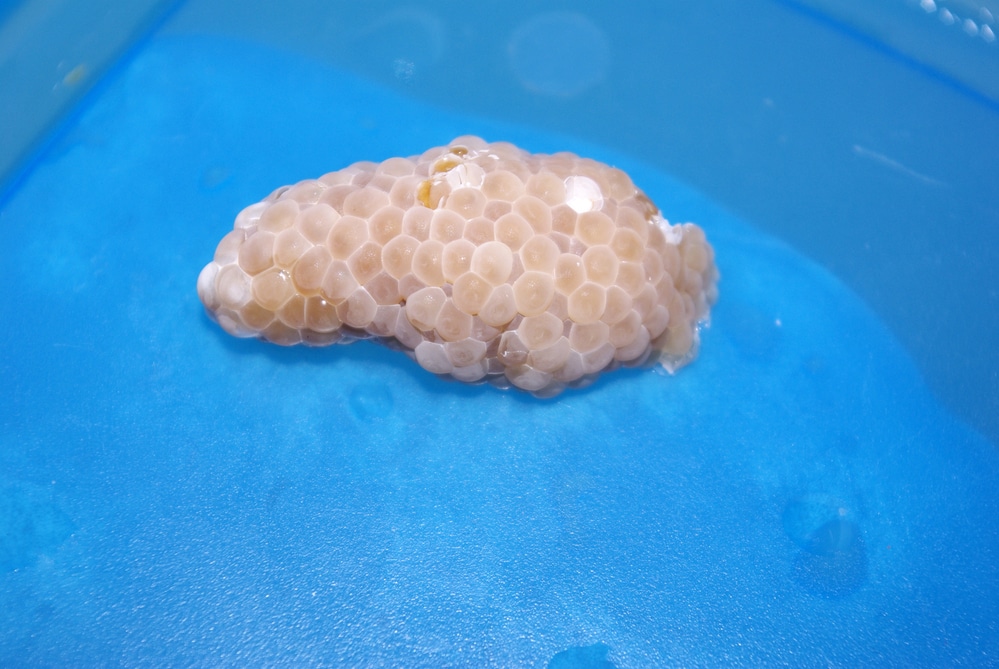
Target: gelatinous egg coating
x=480 y=260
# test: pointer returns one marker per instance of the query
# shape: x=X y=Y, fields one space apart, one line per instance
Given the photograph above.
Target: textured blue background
x=170 y=495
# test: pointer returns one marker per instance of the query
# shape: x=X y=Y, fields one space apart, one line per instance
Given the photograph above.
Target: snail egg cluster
x=480 y=260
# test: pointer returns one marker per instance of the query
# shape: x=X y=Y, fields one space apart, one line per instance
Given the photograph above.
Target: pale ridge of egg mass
x=479 y=260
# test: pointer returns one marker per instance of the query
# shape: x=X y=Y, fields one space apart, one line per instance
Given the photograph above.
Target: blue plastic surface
x=170 y=495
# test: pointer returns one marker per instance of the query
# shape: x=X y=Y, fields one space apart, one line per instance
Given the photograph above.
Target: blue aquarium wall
x=51 y=53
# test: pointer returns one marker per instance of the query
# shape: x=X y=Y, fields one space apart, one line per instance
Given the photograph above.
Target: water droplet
x=559 y=53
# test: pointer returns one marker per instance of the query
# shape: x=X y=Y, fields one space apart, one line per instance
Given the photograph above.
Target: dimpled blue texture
x=175 y=496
